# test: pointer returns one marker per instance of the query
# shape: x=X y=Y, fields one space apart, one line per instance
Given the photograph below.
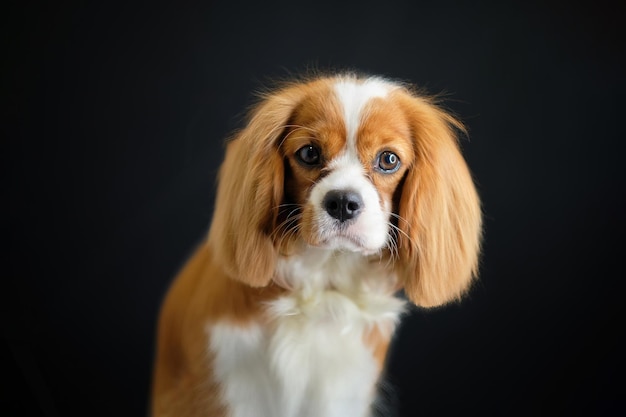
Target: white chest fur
x=311 y=359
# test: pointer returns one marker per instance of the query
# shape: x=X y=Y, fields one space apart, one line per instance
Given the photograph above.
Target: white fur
x=353 y=96
x=240 y=365
x=310 y=359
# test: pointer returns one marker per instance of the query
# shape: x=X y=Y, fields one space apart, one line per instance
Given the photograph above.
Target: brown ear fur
x=440 y=210
x=250 y=191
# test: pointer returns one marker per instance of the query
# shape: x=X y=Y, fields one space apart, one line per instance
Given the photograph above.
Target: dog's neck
x=312 y=270
x=339 y=290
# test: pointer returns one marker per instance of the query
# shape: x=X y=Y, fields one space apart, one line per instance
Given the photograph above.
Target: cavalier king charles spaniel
x=339 y=193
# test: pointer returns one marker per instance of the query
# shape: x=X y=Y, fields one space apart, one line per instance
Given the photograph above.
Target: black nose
x=343 y=205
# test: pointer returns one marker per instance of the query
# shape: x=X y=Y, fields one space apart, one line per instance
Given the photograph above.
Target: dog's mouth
x=344 y=240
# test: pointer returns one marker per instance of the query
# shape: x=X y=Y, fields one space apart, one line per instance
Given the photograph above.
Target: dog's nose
x=343 y=205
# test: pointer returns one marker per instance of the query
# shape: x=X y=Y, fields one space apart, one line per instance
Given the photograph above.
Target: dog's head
x=352 y=164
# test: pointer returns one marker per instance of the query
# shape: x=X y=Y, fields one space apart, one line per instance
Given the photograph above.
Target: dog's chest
x=311 y=359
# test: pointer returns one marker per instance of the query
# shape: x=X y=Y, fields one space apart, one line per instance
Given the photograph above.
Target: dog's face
x=350 y=164
x=347 y=148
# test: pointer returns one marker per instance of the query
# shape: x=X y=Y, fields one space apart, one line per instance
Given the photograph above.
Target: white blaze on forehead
x=353 y=95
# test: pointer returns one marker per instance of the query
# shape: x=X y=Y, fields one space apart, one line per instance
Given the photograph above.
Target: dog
x=343 y=200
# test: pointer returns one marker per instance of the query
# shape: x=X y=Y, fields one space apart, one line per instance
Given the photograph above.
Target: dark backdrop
x=113 y=123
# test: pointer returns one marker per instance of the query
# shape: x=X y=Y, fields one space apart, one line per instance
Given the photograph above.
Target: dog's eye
x=309 y=155
x=388 y=162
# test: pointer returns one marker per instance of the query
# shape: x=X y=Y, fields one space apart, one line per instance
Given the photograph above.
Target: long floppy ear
x=250 y=192
x=440 y=214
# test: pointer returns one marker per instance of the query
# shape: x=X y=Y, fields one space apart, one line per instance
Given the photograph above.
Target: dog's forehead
x=337 y=111
x=353 y=98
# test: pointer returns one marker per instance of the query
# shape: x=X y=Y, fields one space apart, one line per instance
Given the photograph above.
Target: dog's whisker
x=392 y=245
x=287 y=224
x=402 y=232
x=397 y=216
x=288 y=233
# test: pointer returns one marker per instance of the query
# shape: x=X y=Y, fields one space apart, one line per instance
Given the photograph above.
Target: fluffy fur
x=340 y=191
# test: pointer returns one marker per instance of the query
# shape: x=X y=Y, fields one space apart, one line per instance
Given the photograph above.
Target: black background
x=113 y=123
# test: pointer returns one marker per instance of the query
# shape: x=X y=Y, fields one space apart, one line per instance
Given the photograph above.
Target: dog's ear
x=439 y=209
x=250 y=192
